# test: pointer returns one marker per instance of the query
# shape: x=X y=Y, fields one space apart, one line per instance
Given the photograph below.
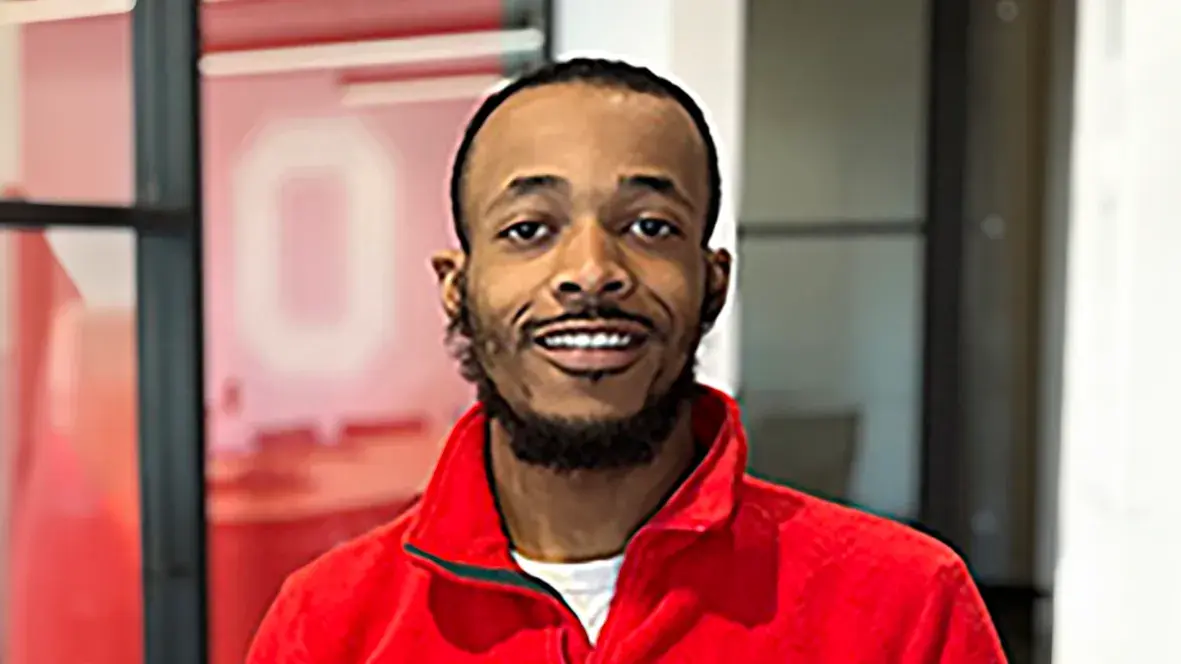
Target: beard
x=569 y=444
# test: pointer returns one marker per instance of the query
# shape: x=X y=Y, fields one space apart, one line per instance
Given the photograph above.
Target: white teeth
x=600 y=340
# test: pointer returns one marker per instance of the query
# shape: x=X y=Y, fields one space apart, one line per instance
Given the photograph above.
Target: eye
x=525 y=232
x=652 y=228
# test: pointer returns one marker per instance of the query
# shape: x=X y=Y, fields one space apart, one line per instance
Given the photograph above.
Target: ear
x=448 y=266
x=717 y=283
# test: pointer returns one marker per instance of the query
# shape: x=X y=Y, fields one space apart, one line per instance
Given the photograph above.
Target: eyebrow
x=531 y=184
x=526 y=185
x=657 y=184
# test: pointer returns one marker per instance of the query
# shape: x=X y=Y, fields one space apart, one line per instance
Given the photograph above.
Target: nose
x=590 y=267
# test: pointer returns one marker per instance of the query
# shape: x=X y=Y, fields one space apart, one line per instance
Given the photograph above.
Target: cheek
x=487 y=323
x=491 y=311
x=503 y=292
x=499 y=307
x=682 y=297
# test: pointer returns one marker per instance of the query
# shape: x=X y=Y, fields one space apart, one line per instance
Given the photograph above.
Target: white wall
x=1118 y=583
x=835 y=132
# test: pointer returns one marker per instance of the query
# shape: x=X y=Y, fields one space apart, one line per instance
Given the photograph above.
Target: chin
x=588 y=409
x=606 y=398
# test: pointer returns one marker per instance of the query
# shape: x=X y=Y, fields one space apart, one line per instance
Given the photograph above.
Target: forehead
x=587 y=134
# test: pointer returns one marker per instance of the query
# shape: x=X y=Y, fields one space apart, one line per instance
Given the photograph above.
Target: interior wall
x=1117 y=579
x=834 y=118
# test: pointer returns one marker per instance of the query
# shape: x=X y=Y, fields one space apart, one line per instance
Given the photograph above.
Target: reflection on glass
x=65 y=102
x=830 y=366
x=70 y=502
x=330 y=390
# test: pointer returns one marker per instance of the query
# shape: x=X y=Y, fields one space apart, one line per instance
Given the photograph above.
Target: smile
x=588 y=349
x=587 y=340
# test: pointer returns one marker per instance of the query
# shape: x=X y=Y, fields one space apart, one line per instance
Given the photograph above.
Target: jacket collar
x=458 y=522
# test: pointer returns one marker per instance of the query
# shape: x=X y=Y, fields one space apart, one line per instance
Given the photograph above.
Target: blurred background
x=946 y=216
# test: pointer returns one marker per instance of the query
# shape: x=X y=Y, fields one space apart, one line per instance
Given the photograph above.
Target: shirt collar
x=458 y=520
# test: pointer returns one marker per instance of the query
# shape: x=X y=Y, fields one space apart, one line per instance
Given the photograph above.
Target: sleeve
x=954 y=626
x=281 y=637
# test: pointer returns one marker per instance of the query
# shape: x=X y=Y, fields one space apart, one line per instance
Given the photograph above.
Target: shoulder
x=849 y=541
x=316 y=608
x=900 y=590
x=354 y=565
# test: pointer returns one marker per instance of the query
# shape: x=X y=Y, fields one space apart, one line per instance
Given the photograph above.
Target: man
x=594 y=507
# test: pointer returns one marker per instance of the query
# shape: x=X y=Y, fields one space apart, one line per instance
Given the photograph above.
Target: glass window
x=66 y=102
x=326 y=161
x=831 y=358
x=835 y=111
x=831 y=254
x=69 y=502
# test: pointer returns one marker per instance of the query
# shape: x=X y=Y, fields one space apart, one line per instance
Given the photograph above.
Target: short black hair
x=591 y=71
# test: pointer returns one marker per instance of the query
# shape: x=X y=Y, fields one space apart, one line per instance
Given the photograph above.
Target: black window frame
x=943 y=473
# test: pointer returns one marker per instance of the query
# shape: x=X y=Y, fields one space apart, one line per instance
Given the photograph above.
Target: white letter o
x=288 y=149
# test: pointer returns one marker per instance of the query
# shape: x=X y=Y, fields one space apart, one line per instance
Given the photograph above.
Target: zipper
x=635 y=557
x=632 y=562
x=504 y=580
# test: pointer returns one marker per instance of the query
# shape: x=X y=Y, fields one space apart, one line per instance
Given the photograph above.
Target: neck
x=583 y=515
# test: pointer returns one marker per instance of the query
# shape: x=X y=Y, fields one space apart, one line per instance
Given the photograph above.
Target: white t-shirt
x=586 y=587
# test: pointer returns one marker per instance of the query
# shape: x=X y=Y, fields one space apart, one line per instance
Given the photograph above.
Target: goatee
x=565 y=444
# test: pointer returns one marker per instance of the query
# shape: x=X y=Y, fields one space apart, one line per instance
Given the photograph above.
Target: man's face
x=586 y=281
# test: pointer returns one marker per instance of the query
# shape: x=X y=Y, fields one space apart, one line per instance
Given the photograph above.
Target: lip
x=593 y=360
x=594 y=327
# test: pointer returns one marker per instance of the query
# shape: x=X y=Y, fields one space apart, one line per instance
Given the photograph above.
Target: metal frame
x=943 y=472
x=171 y=332
x=550 y=18
x=537 y=14
x=167 y=222
x=17 y=215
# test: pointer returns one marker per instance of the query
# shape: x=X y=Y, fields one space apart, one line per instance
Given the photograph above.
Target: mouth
x=592 y=348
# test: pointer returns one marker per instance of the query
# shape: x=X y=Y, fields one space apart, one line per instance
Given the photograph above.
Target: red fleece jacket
x=730 y=569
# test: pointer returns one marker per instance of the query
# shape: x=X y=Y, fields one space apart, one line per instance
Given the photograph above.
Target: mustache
x=591 y=312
